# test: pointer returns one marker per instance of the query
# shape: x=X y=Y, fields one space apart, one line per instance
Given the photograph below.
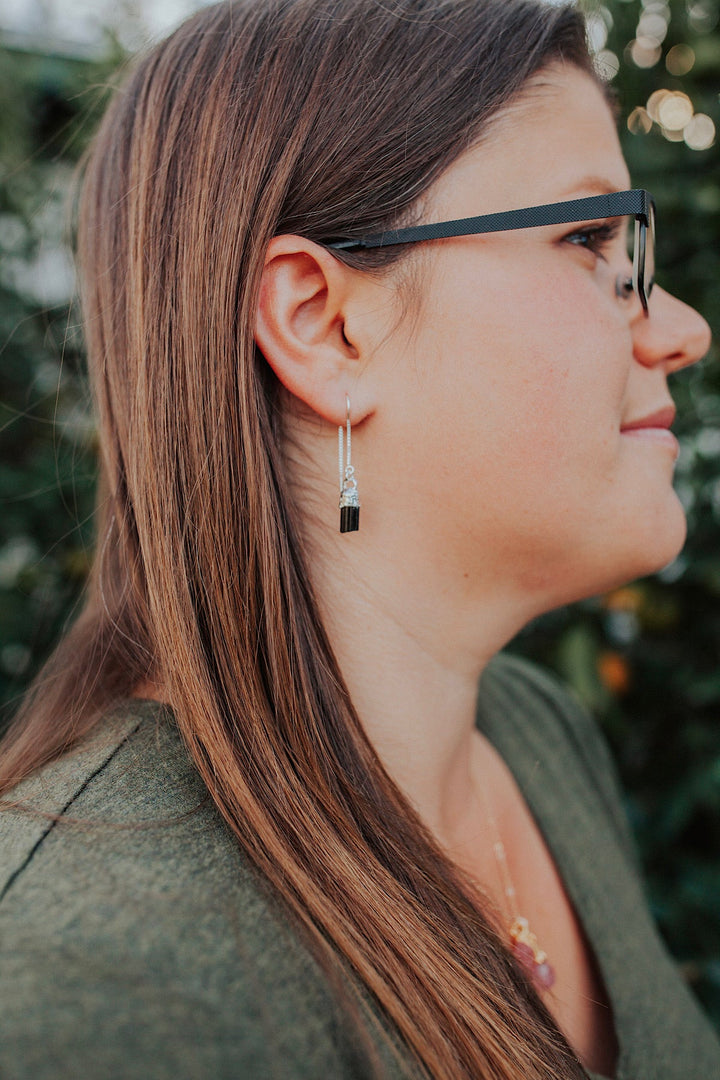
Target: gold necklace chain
x=523 y=941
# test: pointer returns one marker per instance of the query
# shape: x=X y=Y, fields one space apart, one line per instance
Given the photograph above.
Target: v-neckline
x=545 y=809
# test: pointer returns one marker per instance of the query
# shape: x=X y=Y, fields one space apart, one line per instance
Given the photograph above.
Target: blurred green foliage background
x=645 y=658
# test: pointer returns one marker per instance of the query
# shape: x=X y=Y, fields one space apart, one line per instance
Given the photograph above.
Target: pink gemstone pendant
x=529 y=954
x=544 y=974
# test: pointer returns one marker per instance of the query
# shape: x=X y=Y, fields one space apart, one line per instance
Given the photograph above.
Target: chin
x=653 y=549
x=626 y=556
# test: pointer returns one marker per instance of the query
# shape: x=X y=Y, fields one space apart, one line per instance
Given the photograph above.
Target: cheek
x=543 y=392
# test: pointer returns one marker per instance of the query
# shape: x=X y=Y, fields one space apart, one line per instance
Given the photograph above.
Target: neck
x=412 y=659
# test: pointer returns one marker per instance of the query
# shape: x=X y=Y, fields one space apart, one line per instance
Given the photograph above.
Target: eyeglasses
x=636 y=203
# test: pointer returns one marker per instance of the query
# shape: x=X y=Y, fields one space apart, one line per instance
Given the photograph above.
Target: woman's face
x=505 y=401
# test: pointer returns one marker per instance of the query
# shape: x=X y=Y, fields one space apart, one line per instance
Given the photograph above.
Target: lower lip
x=655 y=434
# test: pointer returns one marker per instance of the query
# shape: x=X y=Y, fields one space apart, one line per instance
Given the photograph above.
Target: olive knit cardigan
x=154 y=953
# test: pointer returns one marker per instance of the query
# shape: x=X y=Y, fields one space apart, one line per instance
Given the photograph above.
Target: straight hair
x=256 y=118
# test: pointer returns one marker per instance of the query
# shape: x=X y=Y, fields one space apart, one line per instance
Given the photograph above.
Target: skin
x=495 y=479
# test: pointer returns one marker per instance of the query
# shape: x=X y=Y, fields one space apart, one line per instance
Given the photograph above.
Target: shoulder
x=134 y=908
x=540 y=724
x=130 y=773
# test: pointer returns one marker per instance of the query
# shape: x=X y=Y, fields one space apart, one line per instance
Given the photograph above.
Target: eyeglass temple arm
x=614 y=204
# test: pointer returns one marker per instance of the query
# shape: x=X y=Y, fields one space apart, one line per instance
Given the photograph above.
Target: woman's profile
x=381 y=374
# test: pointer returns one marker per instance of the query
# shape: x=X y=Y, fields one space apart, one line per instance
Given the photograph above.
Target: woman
x=267 y=824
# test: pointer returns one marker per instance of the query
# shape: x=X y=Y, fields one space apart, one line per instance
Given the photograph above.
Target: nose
x=673 y=333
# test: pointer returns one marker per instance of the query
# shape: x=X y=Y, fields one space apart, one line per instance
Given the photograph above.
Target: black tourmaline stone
x=349 y=518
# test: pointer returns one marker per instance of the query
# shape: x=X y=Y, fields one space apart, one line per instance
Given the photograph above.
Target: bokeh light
x=653 y=25
x=699 y=133
x=597 y=31
x=654 y=102
x=639 y=121
x=607 y=64
x=672 y=135
x=675 y=111
x=680 y=59
x=703 y=16
x=645 y=52
x=675 y=115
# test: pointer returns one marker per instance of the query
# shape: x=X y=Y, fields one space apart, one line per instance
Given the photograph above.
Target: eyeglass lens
x=644 y=257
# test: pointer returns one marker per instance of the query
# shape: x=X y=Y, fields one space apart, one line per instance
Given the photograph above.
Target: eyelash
x=597 y=238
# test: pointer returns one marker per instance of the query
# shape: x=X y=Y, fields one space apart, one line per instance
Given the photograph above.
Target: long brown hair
x=258 y=117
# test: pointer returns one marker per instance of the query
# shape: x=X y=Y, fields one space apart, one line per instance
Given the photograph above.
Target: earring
x=349 y=500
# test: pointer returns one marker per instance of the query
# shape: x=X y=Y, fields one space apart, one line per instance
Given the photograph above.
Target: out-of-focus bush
x=48 y=106
x=645 y=658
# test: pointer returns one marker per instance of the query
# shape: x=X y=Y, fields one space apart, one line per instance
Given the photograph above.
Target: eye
x=596 y=238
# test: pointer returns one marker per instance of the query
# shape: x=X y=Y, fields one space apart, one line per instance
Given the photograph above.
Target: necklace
x=523 y=942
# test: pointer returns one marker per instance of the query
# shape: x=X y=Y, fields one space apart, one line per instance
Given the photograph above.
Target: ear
x=301 y=327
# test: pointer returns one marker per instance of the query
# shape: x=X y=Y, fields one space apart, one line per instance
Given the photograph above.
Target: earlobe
x=300 y=324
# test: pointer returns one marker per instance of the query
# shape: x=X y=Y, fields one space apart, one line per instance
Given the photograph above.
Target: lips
x=661 y=418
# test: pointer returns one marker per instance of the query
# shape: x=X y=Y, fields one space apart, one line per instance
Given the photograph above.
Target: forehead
x=557 y=140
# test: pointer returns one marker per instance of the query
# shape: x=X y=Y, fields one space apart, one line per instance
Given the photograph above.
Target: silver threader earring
x=349 y=500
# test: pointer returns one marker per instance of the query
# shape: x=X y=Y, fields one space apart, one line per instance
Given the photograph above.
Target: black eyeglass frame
x=636 y=202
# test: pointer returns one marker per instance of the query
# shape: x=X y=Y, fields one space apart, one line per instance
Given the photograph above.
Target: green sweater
x=154 y=954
